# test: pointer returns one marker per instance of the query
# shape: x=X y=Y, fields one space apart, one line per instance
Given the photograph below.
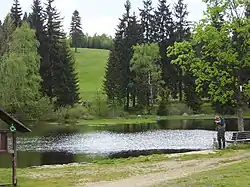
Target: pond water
x=47 y=145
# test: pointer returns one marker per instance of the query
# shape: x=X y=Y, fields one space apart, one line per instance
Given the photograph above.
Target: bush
x=164 y=103
x=37 y=110
x=162 y=109
x=71 y=113
x=179 y=109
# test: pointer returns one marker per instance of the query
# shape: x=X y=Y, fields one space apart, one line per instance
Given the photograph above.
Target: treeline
x=162 y=55
x=36 y=62
x=80 y=40
x=95 y=42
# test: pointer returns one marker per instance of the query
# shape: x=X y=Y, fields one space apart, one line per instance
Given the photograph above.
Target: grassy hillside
x=90 y=66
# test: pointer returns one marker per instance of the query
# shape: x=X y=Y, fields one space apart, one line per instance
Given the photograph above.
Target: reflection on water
x=50 y=145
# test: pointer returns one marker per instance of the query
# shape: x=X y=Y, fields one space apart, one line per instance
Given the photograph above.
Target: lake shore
x=113 y=172
x=146 y=119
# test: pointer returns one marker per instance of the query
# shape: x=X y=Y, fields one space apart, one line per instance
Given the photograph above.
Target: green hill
x=90 y=66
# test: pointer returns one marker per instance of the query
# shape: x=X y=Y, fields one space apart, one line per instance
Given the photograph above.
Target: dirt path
x=171 y=170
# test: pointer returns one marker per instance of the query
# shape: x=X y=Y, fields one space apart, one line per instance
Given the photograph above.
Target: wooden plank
x=7 y=118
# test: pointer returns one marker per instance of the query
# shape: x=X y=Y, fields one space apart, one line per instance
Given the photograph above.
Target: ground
x=144 y=171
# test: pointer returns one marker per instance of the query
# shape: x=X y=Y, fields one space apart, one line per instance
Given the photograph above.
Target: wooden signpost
x=13 y=126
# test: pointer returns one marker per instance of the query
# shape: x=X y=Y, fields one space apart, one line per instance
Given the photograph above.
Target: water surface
x=61 y=145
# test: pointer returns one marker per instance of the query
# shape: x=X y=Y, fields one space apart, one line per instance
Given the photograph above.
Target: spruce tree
x=112 y=82
x=66 y=90
x=147 y=21
x=165 y=37
x=57 y=68
x=118 y=78
x=182 y=33
x=16 y=13
x=53 y=36
x=36 y=21
x=76 y=33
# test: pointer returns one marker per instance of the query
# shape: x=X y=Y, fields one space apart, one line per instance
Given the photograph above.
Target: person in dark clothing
x=221 y=128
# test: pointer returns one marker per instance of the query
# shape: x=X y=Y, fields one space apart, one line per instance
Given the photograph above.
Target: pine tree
x=57 y=68
x=147 y=21
x=112 y=82
x=66 y=90
x=76 y=30
x=182 y=33
x=165 y=37
x=53 y=36
x=16 y=13
x=36 y=21
x=118 y=79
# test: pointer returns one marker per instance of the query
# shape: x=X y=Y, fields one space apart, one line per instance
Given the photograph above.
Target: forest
x=155 y=58
x=162 y=56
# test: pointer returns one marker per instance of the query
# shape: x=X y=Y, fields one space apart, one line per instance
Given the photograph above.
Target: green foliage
x=6 y=32
x=179 y=109
x=99 y=106
x=20 y=79
x=163 y=109
x=96 y=41
x=146 y=71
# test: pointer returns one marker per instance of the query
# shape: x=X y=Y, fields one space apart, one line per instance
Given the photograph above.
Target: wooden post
x=14 y=159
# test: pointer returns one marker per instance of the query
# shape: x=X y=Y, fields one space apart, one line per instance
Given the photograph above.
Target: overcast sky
x=99 y=16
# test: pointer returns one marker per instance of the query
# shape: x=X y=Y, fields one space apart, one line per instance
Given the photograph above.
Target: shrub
x=179 y=109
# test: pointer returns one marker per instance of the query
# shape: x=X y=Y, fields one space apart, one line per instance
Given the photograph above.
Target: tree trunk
x=127 y=102
x=240 y=119
x=180 y=85
x=134 y=100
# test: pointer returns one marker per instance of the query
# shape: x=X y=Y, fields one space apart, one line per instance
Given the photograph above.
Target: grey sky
x=99 y=16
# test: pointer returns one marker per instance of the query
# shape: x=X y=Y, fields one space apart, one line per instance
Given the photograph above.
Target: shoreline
x=146 y=119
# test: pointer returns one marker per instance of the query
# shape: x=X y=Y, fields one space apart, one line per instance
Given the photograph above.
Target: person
x=221 y=128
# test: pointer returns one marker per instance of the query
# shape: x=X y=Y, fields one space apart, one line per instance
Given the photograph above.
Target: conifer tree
x=147 y=21
x=165 y=37
x=118 y=68
x=16 y=13
x=182 y=33
x=57 y=68
x=76 y=33
x=112 y=82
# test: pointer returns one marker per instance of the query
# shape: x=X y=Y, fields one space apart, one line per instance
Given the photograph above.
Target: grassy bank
x=103 y=170
x=146 y=119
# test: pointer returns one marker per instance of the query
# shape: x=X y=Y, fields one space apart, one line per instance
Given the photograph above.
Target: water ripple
x=107 y=142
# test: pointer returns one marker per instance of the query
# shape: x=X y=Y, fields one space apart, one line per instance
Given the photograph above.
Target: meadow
x=90 y=66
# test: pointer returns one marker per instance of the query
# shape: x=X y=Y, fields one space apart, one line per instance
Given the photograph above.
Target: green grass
x=107 y=169
x=90 y=66
x=144 y=119
x=236 y=175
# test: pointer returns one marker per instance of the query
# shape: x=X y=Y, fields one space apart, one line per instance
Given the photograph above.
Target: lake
x=47 y=145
